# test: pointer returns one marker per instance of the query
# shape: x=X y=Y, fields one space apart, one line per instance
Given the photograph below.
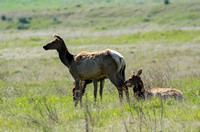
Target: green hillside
x=99 y=18
x=17 y=5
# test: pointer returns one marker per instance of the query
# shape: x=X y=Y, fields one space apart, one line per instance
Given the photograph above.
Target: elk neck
x=66 y=57
x=141 y=91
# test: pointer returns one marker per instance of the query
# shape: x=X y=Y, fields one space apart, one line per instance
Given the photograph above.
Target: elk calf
x=95 y=88
x=141 y=93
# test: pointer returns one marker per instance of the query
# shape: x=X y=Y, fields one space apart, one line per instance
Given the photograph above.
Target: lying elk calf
x=141 y=93
x=91 y=66
x=95 y=88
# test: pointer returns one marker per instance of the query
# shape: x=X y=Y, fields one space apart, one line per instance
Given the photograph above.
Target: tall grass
x=43 y=109
x=35 y=87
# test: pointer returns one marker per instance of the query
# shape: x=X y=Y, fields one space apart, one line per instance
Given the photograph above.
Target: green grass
x=35 y=87
x=29 y=110
x=14 y=5
x=140 y=37
x=36 y=93
x=152 y=37
x=102 y=18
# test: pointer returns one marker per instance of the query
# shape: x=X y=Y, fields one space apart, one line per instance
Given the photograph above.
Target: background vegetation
x=35 y=87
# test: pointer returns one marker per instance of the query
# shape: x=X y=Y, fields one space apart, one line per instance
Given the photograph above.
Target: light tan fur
x=93 y=65
x=164 y=93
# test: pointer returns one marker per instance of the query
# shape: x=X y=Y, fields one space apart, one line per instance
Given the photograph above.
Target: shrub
x=23 y=20
x=108 y=1
x=29 y=18
x=22 y=27
x=166 y=2
x=78 y=5
x=3 y=17
x=54 y=19
x=146 y=19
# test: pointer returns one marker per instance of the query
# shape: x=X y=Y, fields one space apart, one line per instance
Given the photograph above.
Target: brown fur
x=95 y=88
x=91 y=66
x=141 y=93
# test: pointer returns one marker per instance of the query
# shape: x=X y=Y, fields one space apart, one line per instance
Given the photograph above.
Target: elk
x=91 y=66
x=141 y=93
x=102 y=81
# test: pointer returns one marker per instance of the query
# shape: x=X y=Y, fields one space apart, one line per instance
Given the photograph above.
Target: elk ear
x=133 y=73
x=139 y=72
x=73 y=90
x=55 y=36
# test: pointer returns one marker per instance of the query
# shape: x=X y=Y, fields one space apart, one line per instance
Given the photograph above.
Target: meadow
x=35 y=87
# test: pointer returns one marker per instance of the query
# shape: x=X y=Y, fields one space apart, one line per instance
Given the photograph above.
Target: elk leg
x=95 y=89
x=84 y=87
x=86 y=82
x=124 y=87
x=127 y=93
x=101 y=87
x=81 y=92
x=116 y=82
x=120 y=94
x=77 y=92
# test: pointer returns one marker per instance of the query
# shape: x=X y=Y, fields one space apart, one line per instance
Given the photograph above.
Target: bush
x=78 y=5
x=146 y=19
x=29 y=18
x=22 y=27
x=166 y=2
x=23 y=20
x=108 y=1
x=54 y=19
x=3 y=17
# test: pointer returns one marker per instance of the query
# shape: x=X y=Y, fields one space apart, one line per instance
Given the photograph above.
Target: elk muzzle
x=47 y=46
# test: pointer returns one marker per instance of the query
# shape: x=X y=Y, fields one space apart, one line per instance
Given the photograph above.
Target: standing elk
x=141 y=93
x=91 y=66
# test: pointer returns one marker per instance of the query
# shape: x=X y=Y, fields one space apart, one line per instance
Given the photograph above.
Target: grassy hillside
x=17 y=5
x=100 y=18
x=35 y=87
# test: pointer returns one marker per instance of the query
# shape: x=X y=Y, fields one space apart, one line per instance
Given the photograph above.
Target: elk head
x=134 y=79
x=56 y=44
x=137 y=83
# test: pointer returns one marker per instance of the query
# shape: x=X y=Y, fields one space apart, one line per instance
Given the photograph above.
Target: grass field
x=35 y=87
x=10 y=5
x=104 y=18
